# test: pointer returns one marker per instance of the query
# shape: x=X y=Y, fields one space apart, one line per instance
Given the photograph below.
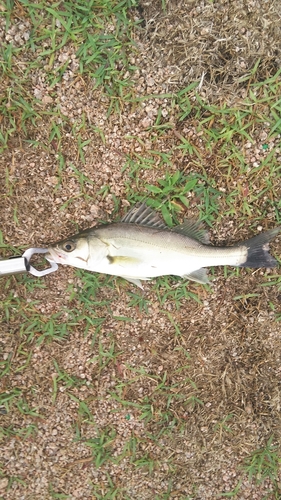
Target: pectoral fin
x=122 y=260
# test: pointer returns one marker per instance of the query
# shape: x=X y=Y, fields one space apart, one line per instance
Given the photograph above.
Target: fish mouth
x=53 y=255
x=49 y=257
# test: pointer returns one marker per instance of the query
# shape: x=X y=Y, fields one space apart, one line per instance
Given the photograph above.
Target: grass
x=172 y=195
x=57 y=495
x=172 y=289
x=79 y=29
x=64 y=379
x=262 y=464
x=101 y=446
x=104 y=356
x=22 y=433
x=16 y=399
x=109 y=491
x=168 y=394
x=274 y=307
x=83 y=25
x=207 y=173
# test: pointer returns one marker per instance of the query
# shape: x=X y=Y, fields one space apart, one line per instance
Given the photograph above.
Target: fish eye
x=69 y=246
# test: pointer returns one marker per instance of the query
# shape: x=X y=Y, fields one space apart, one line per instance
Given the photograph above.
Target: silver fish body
x=141 y=247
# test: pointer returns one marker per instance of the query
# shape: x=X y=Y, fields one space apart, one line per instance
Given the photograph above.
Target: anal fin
x=200 y=276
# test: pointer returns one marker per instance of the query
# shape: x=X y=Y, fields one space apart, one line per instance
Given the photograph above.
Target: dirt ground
x=199 y=384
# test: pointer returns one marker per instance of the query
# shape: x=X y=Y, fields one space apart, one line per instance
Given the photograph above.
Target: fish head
x=73 y=251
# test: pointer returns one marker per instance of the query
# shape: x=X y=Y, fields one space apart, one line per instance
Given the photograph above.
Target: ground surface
x=108 y=391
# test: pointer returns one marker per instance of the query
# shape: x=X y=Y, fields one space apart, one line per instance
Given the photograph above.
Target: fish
x=142 y=247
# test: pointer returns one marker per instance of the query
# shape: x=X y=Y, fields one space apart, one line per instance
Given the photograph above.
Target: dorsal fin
x=193 y=229
x=143 y=215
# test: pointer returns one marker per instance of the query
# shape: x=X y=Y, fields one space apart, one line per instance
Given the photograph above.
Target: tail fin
x=258 y=250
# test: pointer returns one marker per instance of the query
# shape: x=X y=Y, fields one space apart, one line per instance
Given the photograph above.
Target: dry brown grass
x=222 y=39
